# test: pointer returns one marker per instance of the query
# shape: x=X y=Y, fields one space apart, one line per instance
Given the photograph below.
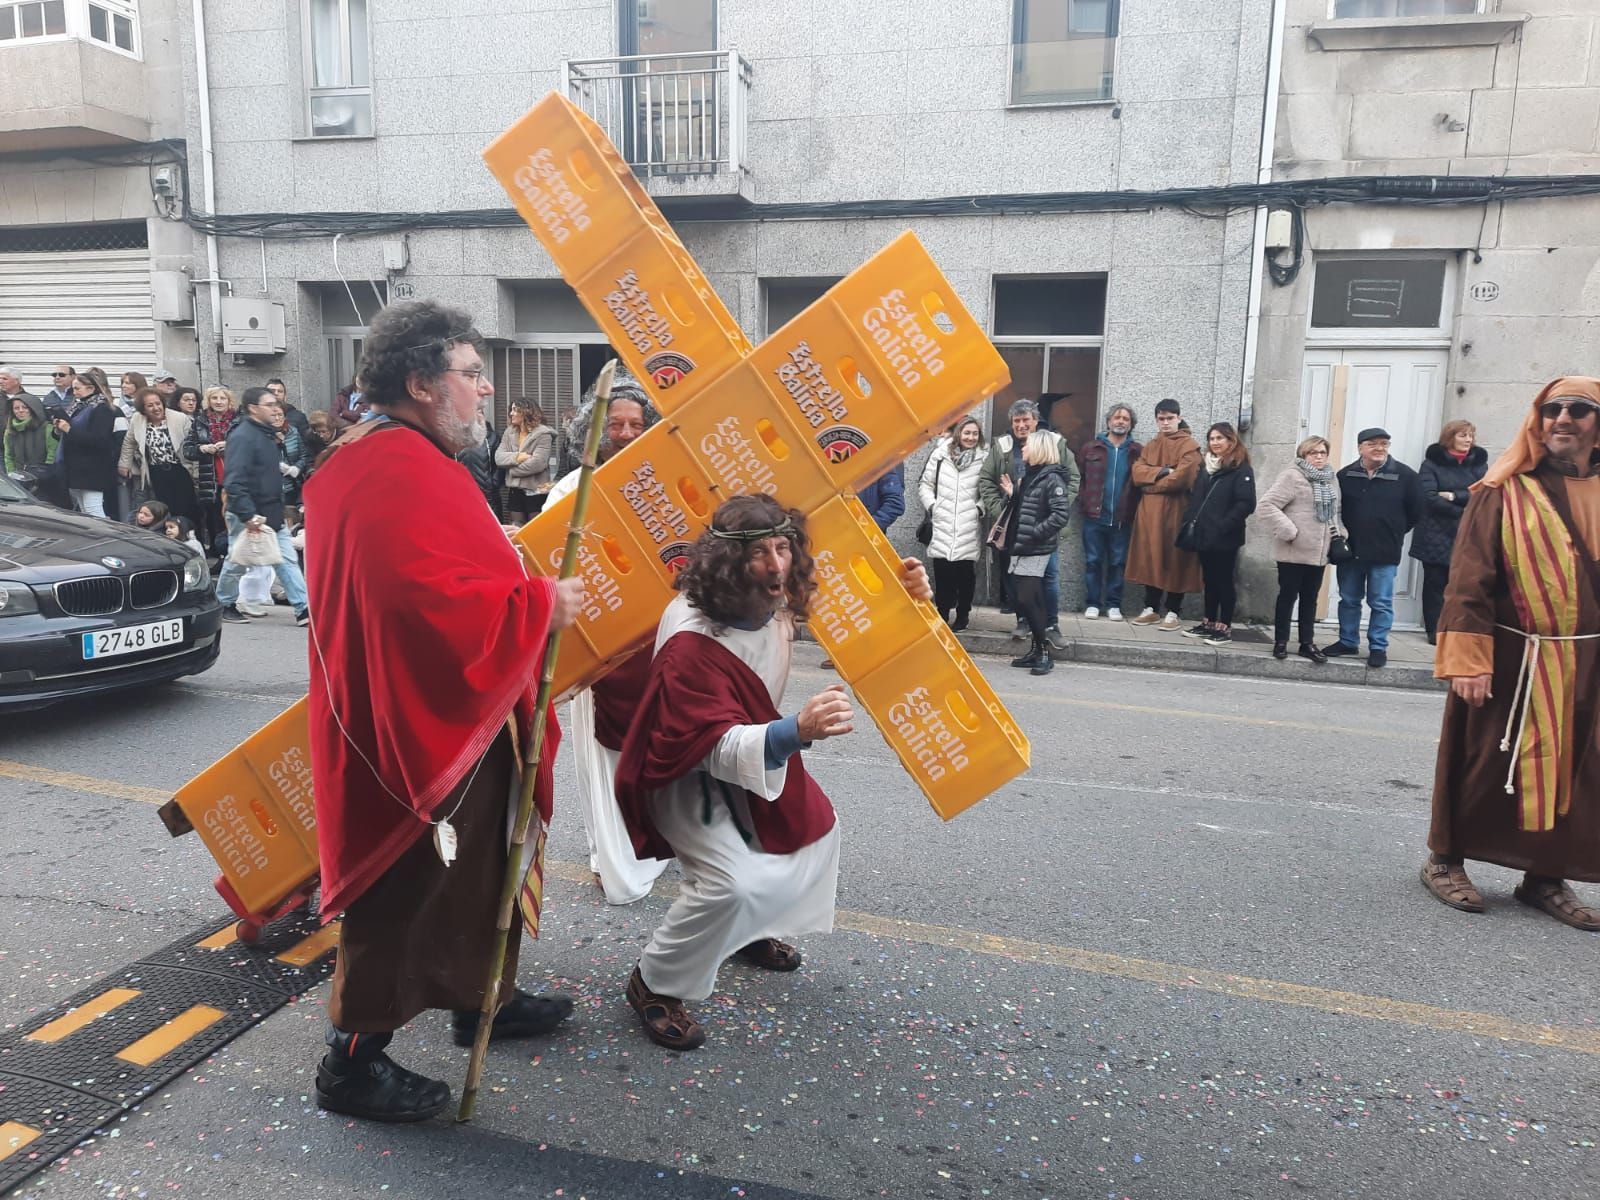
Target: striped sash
x=1542 y=569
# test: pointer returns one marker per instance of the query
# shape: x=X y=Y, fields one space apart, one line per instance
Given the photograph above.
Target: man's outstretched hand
x=915 y=577
x=827 y=714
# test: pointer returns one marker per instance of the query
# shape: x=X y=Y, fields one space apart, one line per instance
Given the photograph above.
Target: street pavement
x=1187 y=955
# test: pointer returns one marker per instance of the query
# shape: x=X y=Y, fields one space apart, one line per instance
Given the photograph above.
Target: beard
x=456 y=434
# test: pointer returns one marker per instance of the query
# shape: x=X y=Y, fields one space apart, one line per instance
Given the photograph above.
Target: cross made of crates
x=878 y=366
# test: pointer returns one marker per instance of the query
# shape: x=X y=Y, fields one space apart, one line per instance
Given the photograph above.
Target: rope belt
x=1522 y=695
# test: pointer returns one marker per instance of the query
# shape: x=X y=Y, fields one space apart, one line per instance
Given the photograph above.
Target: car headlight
x=196 y=575
x=16 y=599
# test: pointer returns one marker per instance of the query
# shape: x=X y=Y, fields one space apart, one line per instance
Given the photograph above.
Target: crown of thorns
x=783 y=528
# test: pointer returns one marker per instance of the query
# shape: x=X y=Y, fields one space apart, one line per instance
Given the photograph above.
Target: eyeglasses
x=59 y=374
x=1316 y=454
x=1551 y=410
x=472 y=373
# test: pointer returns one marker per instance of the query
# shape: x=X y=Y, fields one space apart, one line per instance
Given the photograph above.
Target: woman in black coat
x=1223 y=498
x=89 y=445
x=1449 y=469
x=1035 y=515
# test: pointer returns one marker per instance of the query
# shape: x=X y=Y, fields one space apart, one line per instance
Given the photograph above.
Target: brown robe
x=422 y=936
x=1473 y=815
x=1153 y=559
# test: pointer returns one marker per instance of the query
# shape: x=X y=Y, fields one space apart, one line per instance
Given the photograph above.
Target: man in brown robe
x=1164 y=475
x=1518 y=775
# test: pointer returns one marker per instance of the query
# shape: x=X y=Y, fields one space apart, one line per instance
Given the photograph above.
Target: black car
x=88 y=605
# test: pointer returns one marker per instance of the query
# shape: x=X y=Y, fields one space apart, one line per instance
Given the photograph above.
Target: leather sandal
x=1449 y=884
x=1556 y=897
x=770 y=955
x=666 y=1021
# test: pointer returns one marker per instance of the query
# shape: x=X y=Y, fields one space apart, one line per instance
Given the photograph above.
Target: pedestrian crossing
x=75 y=1068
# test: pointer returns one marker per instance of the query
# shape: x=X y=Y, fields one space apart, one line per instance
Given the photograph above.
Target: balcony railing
x=671 y=115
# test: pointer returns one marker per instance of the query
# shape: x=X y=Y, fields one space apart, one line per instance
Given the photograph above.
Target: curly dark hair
x=412 y=337
x=714 y=578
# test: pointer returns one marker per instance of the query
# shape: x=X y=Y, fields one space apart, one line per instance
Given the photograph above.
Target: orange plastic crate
x=618 y=252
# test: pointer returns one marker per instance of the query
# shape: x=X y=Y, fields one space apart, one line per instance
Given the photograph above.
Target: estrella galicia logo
x=667 y=368
x=674 y=556
x=842 y=442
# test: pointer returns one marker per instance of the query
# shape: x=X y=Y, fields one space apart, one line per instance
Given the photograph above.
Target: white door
x=1399 y=390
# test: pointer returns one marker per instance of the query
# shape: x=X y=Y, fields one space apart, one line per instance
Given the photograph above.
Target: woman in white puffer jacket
x=949 y=491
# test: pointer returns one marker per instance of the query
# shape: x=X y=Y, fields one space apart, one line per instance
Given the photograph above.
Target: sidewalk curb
x=1203 y=661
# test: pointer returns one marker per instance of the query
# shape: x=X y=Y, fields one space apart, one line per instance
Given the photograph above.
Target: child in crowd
x=181 y=529
x=152 y=515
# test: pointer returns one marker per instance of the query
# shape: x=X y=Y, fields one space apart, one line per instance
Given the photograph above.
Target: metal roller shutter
x=86 y=308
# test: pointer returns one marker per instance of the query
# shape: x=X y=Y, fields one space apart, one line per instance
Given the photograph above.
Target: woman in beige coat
x=152 y=457
x=524 y=454
x=1302 y=511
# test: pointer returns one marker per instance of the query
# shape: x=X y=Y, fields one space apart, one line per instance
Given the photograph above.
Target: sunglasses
x=58 y=374
x=1551 y=410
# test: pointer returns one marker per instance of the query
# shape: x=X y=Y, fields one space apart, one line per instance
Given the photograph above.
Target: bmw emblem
x=116 y=564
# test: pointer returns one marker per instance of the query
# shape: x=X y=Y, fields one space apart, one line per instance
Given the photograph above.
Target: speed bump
x=73 y=1069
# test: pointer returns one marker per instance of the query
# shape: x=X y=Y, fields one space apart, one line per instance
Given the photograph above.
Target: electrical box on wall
x=171 y=297
x=253 y=327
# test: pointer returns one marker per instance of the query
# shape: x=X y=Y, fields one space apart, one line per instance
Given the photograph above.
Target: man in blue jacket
x=885 y=498
x=255 y=502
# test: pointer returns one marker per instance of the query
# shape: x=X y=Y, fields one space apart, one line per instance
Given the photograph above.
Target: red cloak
x=616 y=699
x=697 y=691
x=432 y=634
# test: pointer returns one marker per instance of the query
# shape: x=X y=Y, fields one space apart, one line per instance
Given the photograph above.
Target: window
x=338 y=69
x=1050 y=330
x=1345 y=9
x=45 y=19
x=1378 y=293
x=788 y=298
x=112 y=23
x=1063 y=51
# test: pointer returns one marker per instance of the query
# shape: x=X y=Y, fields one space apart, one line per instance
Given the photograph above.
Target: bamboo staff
x=530 y=765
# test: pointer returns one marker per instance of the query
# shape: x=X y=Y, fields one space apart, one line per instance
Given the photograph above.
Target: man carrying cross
x=1518 y=777
x=711 y=772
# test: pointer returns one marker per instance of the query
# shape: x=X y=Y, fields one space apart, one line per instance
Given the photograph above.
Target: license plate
x=133 y=638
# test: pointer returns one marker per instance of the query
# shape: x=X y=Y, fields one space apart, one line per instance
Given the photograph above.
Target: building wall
x=847 y=102
x=1527 y=105
x=43 y=191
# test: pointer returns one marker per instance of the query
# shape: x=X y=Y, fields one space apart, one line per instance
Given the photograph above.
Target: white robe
x=733 y=893
x=624 y=877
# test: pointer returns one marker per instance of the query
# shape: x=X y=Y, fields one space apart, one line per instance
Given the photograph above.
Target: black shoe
x=1339 y=649
x=522 y=1016
x=302 y=616
x=1378 y=658
x=1280 y=650
x=378 y=1090
x=1198 y=631
x=1219 y=637
x=1053 y=636
x=959 y=624
x=1027 y=660
x=1044 y=666
x=1006 y=608
x=1307 y=650
x=233 y=616
x=1433 y=639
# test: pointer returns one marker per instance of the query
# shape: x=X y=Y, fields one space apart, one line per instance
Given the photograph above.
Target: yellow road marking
x=79 y=1017
x=82 y=783
x=1163 y=974
x=170 y=1036
x=1379 y=1008
x=14 y=1135
x=307 y=951
x=222 y=937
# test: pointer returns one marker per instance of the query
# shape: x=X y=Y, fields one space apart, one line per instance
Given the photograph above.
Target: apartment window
x=786 y=299
x=1345 y=9
x=1379 y=294
x=113 y=23
x=1063 y=51
x=46 y=19
x=338 y=69
x=1050 y=331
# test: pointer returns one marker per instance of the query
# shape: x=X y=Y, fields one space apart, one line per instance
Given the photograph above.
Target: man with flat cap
x=1380 y=500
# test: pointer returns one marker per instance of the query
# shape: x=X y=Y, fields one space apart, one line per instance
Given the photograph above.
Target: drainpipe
x=1258 y=244
x=208 y=179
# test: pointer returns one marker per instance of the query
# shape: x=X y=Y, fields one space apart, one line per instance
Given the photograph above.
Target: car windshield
x=10 y=491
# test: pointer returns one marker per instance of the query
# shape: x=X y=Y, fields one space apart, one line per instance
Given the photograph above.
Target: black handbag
x=925 y=526
x=1184 y=538
x=1339 y=548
